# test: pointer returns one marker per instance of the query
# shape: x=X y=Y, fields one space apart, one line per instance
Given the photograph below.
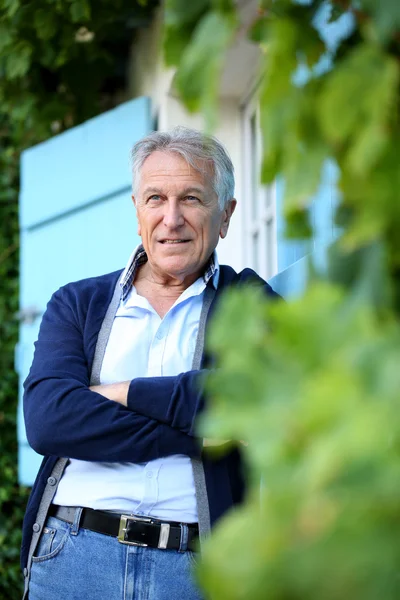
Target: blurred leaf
x=10 y=7
x=298 y=224
x=373 y=78
x=80 y=11
x=226 y=6
x=226 y=574
x=386 y=14
x=322 y=389
x=175 y=42
x=179 y=12
x=45 y=24
x=204 y=56
x=19 y=60
x=292 y=146
x=6 y=37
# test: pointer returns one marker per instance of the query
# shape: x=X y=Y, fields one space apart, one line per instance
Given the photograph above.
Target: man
x=113 y=393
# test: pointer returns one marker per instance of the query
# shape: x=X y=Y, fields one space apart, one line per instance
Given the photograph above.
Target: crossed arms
x=144 y=419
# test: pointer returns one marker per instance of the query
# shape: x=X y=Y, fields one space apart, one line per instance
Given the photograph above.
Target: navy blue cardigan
x=65 y=419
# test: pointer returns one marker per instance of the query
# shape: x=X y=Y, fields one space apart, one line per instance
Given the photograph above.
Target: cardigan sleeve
x=175 y=401
x=64 y=418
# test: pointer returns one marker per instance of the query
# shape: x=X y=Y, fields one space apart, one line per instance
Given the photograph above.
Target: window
x=260 y=241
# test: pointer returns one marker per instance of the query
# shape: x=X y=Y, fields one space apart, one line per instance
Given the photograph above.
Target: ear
x=137 y=216
x=227 y=213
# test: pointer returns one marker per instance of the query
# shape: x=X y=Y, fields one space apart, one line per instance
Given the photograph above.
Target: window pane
x=255 y=251
x=254 y=165
x=269 y=239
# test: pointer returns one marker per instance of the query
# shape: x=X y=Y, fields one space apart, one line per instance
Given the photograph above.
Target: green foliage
x=12 y=497
x=315 y=396
x=363 y=127
x=61 y=62
x=312 y=385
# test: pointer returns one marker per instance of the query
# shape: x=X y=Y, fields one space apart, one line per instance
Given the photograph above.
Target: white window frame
x=260 y=249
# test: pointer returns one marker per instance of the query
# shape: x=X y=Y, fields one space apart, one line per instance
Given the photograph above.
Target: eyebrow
x=151 y=190
x=190 y=190
x=185 y=192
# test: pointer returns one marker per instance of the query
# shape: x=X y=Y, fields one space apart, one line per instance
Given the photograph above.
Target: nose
x=173 y=214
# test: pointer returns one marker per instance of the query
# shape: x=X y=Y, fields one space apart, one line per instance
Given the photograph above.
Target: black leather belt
x=130 y=529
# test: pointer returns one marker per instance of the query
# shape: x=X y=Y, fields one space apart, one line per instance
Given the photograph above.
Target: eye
x=154 y=198
x=192 y=199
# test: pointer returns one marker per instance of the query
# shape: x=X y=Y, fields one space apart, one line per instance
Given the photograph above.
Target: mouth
x=171 y=241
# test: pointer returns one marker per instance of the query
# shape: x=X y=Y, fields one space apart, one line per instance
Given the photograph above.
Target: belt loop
x=77 y=520
x=184 y=538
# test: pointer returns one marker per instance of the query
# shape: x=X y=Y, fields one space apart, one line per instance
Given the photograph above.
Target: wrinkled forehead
x=168 y=161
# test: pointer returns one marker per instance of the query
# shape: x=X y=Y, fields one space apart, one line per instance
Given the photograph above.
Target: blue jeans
x=78 y=564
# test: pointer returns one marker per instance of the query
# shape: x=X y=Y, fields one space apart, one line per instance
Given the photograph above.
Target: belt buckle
x=122 y=529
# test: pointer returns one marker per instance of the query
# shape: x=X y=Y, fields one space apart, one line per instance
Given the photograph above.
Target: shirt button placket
x=156 y=352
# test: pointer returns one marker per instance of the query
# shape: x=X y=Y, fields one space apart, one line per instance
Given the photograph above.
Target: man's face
x=179 y=219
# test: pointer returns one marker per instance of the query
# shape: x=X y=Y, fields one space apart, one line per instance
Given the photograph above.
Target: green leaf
x=176 y=39
x=197 y=78
x=291 y=137
x=227 y=6
x=259 y=30
x=21 y=111
x=180 y=21
x=298 y=224
x=80 y=11
x=10 y=7
x=6 y=37
x=373 y=78
x=179 y=13
x=302 y=172
x=19 y=60
x=226 y=574
x=386 y=15
x=45 y=23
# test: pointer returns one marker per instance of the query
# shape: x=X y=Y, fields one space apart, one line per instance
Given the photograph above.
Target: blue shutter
x=77 y=220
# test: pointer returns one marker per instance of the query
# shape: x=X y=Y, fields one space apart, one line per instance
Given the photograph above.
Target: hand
x=117 y=392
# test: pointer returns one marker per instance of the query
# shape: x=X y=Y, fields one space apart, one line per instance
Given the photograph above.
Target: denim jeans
x=78 y=564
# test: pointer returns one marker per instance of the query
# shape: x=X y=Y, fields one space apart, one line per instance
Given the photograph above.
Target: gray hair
x=195 y=147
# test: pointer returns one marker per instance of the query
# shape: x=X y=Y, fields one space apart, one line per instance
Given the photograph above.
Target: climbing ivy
x=61 y=62
x=12 y=497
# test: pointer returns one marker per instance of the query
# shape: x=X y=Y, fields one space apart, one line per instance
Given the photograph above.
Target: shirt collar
x=139 y=257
